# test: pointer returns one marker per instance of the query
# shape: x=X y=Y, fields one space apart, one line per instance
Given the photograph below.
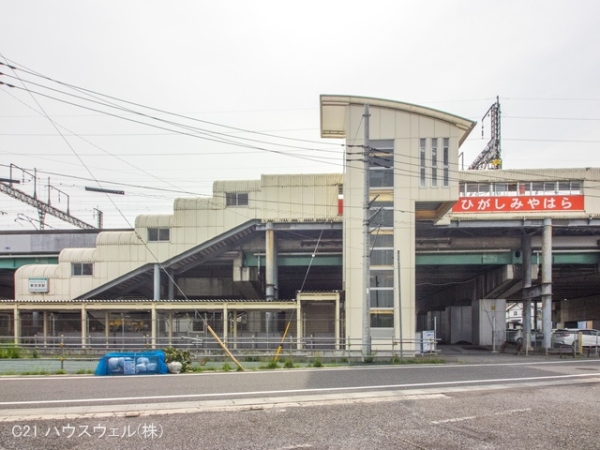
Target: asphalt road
x=533 y=404
x=545 y=417
x=24 y=392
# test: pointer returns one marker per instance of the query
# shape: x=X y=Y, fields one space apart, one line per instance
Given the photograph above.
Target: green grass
x=9 y=353
x=417 y=360
x=271 y=365
x=289 y=364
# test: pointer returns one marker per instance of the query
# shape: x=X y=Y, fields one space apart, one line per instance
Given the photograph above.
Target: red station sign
x=521 y=203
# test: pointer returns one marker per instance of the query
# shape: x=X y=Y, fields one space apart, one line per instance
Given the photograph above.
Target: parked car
x=516 y=336
x=570 y=336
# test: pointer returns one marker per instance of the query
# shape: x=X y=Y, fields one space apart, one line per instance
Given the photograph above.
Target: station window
x=434 y=162
x=159 y=234
x=236 y=199
x=423 y=161
x=569 y=187
x=382 y=257
x=446 y=162
x=550 y=188
x=381 y=164
x=537 y=188
x=521 y=188
x=382 y=319
x=382 y=298
x=382 y=278
x=380 y=240
x=382 y=217
x=82 y=269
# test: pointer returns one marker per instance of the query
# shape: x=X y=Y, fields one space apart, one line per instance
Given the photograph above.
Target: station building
x=400 y=243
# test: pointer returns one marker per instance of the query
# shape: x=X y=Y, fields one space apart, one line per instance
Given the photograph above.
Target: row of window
x=381 y=237
x=521 y=188
x=430 y=161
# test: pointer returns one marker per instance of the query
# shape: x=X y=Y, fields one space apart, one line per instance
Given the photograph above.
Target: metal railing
x=205 y=345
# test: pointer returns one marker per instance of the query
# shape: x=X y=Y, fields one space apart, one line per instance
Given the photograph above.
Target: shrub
x=10 y=353
x=288 y=364
x=272 y=364
x=173 y=354
x=226 y=367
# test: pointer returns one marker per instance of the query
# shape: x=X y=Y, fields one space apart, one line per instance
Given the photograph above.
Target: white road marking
x=308 y=391
x=456 y=419
x=462 y=419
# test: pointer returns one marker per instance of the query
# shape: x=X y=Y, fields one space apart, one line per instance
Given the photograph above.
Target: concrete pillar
x=171 y=286
x=17 y=325
x=234 y=331
x=106 y=327
x=547 y=283
x=153 y=325
x=337 y=322
x=271 y=263
x=526 y=255
x=156 y=281
x=225 y=323
x=45 y=327
x=84 y=326
x=170 y=319
x=299 y=330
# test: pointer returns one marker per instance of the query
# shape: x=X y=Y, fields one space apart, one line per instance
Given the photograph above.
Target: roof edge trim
x=344 y=100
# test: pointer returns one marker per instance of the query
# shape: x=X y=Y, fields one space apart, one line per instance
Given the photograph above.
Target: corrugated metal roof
x=145 y=300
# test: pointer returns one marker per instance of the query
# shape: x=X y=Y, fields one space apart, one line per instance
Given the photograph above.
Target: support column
x=107 y=327
x=17 y=325
x=547 y=283
x=225 y=323
x=156 y=281
x=271 y=263
x=171 y=286
x=153 y=325
x=170 y=319
x=45 y=327
x=337 y=322
x=299 y=330
x=526 y=254
x=84 y=327
x=234 y=313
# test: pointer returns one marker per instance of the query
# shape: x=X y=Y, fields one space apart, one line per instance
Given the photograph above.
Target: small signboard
x=428 y=337
x=38 y=285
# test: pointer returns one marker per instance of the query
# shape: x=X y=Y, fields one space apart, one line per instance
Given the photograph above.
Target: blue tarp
x=132 y=363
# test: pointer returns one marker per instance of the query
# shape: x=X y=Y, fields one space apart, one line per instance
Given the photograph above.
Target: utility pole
x=366 y=338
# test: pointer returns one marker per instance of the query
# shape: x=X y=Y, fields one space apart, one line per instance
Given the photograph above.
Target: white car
x=570 y=336
x=516 y=336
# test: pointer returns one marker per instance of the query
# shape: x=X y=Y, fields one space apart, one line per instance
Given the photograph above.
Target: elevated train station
x=435 y=248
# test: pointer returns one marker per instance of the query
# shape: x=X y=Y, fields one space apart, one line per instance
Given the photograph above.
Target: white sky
x=261 y=66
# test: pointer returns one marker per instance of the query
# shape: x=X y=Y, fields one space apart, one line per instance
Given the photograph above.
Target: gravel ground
x=545 y=418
